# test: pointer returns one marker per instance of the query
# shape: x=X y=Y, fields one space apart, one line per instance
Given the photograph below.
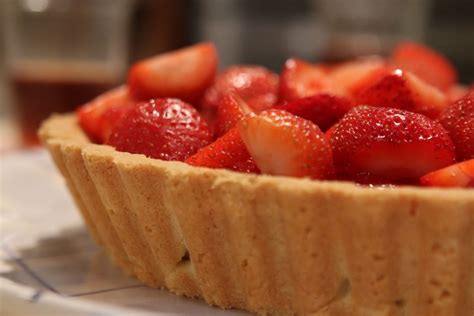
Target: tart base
x=272 y=245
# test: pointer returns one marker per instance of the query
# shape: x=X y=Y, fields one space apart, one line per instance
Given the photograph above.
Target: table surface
x=48 y=263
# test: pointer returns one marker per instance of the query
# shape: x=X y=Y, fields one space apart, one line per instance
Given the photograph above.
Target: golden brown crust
x=273 y=244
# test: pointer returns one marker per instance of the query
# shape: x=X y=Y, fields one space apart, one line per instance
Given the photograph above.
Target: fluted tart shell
x=272 y=245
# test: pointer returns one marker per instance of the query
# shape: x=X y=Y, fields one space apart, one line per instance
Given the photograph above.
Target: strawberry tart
x=329 y=189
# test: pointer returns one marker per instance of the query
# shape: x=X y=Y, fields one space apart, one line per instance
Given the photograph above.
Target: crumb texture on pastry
x=272 y=245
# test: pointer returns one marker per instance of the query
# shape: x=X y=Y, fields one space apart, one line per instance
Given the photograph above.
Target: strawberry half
x=329 y=132
x=227 y=152
x=300 y=79
x=457 y=175
x=230 y=110
x=389 y=143
x=256 y=85
x=183 y=74
x=284 y=144
x=351 y=75
x=402 y=90
x=456 y=92
x=111 y=118
x=98 y=116
x=426 y=63
x=167 y=129
x=458 y=120
x=323 y=110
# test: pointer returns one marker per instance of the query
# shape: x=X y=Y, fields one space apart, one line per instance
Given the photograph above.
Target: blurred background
x=57 y=54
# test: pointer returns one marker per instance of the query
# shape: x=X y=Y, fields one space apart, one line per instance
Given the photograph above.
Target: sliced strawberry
x=112 y=117
x=323 y=110
x=390 y=143
x=230 y=110
x=183 y=73
x=329 y=132
x=389 y=91
x=429 y=100
x=350 y=75
x=284 y=144
x=300 y=79
x=456 y=92
x=167 y=129
x=457 y=175
x=256 y=85
x=227 y=152
x=98 y=116
x=426 y=63
x=402 y=90
x=458 y=120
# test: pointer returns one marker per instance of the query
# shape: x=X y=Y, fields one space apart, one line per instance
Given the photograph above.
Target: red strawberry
x=457 y=175
x=350 y=75
x=456 y=92
x=98 y=116
x=404 y=91
x=389 y=91
x=458 y=120
x=112 y=117
x=227 y=152
x=184 y=74
x=426 y=63
x=323 y=110
x=230 y=110
x=254 y=84
x=300 y=79
x=390 y=143
x=329 y=132
x=284 y=144
x=167 y=129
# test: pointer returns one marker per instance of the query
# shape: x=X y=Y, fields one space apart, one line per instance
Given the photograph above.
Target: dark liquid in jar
x=38 y=94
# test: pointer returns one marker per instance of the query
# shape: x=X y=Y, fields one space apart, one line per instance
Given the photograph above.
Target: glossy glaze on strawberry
x=402 y=90
x=256 y=85
x=227 y=152
x=324 y=110
x=390 y=143
x=458 y=120
x=399 y=120
x=230 y=110
x=284 y=144
x=167 y=129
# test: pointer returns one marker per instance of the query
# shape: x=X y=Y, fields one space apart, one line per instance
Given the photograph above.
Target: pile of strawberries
x=397 y=120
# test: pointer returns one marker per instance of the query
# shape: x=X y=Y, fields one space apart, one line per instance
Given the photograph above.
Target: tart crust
x=268 y=244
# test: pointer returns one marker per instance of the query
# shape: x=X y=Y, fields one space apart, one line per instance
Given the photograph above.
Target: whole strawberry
x=389 y=143
x=458 y=120
x=167 y=129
